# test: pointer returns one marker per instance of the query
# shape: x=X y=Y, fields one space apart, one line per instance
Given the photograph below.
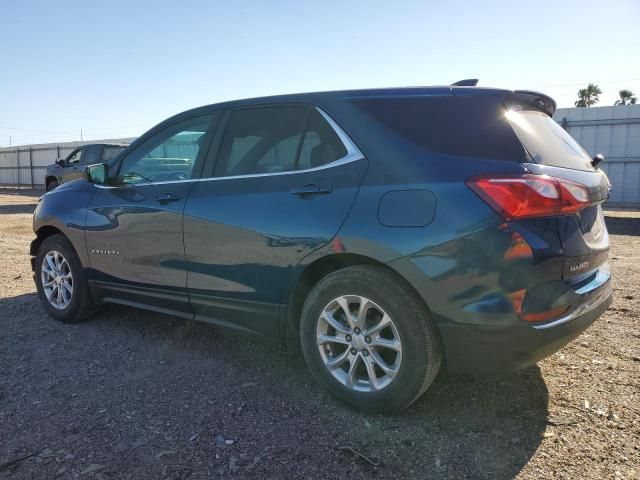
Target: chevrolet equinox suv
x=385 y=232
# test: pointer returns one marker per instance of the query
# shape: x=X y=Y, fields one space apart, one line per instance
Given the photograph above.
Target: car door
x=278 y=185
x=134 y=222
x=72 y=165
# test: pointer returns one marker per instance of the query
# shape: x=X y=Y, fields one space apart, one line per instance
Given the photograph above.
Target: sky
x=115 y=68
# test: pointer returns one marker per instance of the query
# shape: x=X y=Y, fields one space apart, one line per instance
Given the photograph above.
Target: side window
x=75 y=157
x=261 y=140
x=167 y=156
x=321 y=143
x=277 y=139
x=109 y=152
x=91 y=154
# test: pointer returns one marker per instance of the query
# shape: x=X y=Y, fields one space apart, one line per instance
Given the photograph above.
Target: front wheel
x=51 y=184
x=60 y=281
x=368 y=340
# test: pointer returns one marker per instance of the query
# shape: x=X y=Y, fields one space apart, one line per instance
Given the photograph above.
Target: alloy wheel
x=359 y=343
x=57 y=280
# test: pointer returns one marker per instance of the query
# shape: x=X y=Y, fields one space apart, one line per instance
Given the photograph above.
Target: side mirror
x=60 y=162
x=596 y=160
x=95 y=173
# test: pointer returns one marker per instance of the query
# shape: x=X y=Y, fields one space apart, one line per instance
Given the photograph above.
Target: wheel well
x=49 y=179
x=315 y=272
x=41 y=235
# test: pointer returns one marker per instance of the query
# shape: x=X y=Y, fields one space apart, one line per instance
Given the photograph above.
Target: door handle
x=311 y=189
x=167 y=197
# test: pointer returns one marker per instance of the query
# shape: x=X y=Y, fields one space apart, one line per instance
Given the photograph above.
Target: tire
x=79 y=306
x=419 y=343
x=51 y=184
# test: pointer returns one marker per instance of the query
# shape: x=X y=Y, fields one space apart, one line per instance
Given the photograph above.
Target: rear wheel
x=51 y=184
x=368 y=340
x=60 y=281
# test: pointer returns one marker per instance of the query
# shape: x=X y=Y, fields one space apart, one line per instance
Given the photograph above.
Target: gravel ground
x=134 y=395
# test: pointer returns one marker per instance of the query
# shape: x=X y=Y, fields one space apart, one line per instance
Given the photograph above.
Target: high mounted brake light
x=527 y=196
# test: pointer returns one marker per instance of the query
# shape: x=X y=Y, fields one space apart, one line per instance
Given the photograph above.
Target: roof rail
x=469 y=82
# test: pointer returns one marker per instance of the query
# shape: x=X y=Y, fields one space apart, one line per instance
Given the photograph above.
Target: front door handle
x=167 y=197
x=311 y=189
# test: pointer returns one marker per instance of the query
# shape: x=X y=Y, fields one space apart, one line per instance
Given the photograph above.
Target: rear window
x=472 y=126
x=546 y=141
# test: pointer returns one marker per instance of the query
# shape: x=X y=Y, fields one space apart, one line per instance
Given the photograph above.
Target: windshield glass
x=546 y=141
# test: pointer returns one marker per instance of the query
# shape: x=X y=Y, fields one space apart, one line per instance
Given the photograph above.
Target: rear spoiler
x=537 y=100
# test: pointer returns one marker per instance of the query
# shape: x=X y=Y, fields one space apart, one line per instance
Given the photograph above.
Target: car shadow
x=486 y=426
x=623 y=225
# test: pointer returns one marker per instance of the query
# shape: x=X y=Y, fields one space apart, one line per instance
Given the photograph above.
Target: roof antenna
x=469 y=82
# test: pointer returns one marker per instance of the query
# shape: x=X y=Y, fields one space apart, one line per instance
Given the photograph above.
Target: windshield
x=546 y=141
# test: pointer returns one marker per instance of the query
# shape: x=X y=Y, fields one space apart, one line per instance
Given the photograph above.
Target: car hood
x=79 y=184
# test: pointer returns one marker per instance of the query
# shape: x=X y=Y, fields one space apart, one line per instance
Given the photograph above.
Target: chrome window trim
x=353 y=154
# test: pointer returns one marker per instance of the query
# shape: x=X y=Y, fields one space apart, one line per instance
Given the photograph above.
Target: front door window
x=169 y=156
x=75 y=157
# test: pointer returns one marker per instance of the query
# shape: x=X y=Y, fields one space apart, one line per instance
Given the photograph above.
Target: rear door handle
x=167 y=197
x=311 y=189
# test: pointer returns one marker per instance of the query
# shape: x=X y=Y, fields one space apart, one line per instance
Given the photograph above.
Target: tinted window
x=92 y=154
x=75 y=157
x=321 y=143
x=261 y=140
x=168 y=156
x=472 y=126
x=276 y=139
x=109 y=152
x=547 y=142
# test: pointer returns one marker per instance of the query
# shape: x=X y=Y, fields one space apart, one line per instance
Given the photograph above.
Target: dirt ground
x=132 y=395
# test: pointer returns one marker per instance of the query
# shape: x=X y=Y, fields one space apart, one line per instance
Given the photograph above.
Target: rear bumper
x=481 y=348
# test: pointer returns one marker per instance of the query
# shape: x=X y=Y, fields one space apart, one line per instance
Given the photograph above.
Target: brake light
x=526 y=196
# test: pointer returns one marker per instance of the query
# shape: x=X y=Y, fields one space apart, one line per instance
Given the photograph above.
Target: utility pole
x=9 y=140
x=81 y=135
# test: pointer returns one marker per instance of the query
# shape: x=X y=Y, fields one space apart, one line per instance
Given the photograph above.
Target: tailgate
x=584 y=236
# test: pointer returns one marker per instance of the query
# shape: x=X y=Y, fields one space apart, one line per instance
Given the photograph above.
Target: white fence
x=26 y=165
x=614 y=132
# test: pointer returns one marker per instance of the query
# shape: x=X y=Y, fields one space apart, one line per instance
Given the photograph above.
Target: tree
x=626 y=98
x=588 y=96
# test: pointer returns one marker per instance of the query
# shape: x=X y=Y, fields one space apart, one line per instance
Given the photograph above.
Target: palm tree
x=588 y=96
x=626 y=98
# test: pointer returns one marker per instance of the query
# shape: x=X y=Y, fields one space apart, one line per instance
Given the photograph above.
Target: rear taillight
x=526 y=196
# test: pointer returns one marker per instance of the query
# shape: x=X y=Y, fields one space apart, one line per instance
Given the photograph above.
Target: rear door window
x=276 y=139
x=109 y=152
x=546 y=141
x=261 y=140
x=321 y=144
x=92 y=154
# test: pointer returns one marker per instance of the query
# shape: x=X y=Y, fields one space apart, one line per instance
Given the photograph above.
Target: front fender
x=64 y=209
